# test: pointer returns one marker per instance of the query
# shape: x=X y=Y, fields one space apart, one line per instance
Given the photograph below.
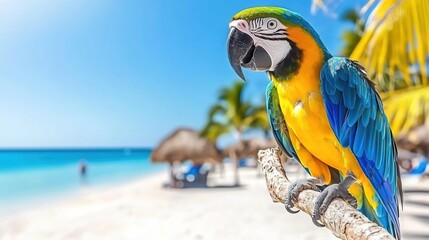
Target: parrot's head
x=270 y=38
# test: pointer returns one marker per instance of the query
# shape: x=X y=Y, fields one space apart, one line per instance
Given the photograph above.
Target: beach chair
x=420 y=168
x=194 y=177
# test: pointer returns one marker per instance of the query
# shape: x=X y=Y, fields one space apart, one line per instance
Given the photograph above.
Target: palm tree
x=351 y=37
x=394 y=48
x=261 y=119
x=233 y=115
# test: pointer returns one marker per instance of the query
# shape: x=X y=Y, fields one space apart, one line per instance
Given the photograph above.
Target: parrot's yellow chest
x=305 y=114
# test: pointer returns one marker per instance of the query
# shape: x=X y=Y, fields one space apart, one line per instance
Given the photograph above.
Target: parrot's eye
x=271 y=24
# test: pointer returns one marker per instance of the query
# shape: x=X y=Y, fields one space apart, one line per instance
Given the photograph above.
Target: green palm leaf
x=232 y=114
x=213 y=130
x=395 y=42
x=407 y=109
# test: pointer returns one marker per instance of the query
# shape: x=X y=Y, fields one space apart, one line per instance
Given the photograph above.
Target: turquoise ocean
x=36 y=176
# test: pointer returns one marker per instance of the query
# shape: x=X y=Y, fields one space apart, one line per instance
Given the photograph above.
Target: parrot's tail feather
x=367 y=210
x=379 y=215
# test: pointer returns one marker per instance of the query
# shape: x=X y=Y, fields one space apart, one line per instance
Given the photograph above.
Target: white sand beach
x=144 y=210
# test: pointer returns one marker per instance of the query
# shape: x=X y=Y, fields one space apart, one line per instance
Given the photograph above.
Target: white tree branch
x=343 y=220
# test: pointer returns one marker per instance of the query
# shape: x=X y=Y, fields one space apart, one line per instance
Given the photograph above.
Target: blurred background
x=124 y=119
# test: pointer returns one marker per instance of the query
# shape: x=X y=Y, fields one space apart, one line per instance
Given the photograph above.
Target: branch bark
x=343 y=220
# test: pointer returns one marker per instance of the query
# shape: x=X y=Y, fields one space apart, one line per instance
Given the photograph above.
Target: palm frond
x=351 y=37
x=217 y=109
x=232 y=98
x=214 y=129
x=406 y=109
x=260 y=120
x=232 y=114
x=395 y=41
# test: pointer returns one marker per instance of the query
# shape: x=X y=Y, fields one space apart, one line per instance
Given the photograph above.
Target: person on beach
x=83 y=167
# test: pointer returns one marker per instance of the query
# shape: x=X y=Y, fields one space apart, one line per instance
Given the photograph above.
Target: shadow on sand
x=416 y=198
x=406 y=235
x=416 y=190
x=424 y=218
x=418 y=203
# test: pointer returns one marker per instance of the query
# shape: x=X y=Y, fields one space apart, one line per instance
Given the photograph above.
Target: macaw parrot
x=324 y=112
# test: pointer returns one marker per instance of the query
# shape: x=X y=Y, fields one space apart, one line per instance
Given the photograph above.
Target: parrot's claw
x=330 y=193
x=294 y=190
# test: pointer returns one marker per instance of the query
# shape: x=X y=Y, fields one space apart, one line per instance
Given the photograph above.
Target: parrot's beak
x=240 y=50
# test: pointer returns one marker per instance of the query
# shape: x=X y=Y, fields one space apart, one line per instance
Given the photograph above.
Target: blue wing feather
x=356 y=115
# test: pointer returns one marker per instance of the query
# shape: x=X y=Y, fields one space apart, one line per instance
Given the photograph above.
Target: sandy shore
x=144 y=210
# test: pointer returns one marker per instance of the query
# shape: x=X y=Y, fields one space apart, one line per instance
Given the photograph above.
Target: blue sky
x=97 y=73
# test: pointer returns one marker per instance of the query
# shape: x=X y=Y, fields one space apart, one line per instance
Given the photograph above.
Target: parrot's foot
x=294 y=190
x=330 y=193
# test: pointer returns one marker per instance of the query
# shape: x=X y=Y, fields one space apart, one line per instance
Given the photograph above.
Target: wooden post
x=235 y=162
x=173 y=182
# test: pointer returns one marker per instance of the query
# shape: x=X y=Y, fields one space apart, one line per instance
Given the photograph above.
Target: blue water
x=33 y=174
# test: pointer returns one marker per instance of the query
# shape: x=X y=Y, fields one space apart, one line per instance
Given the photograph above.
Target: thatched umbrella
x=412 y=145
x=185 y=144
x=249 y=148
x=417 y=140
x=246 y=148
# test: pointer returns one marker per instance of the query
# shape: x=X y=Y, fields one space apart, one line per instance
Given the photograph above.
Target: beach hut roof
x=249 y=147
x=186 y=144
x=416 y=140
